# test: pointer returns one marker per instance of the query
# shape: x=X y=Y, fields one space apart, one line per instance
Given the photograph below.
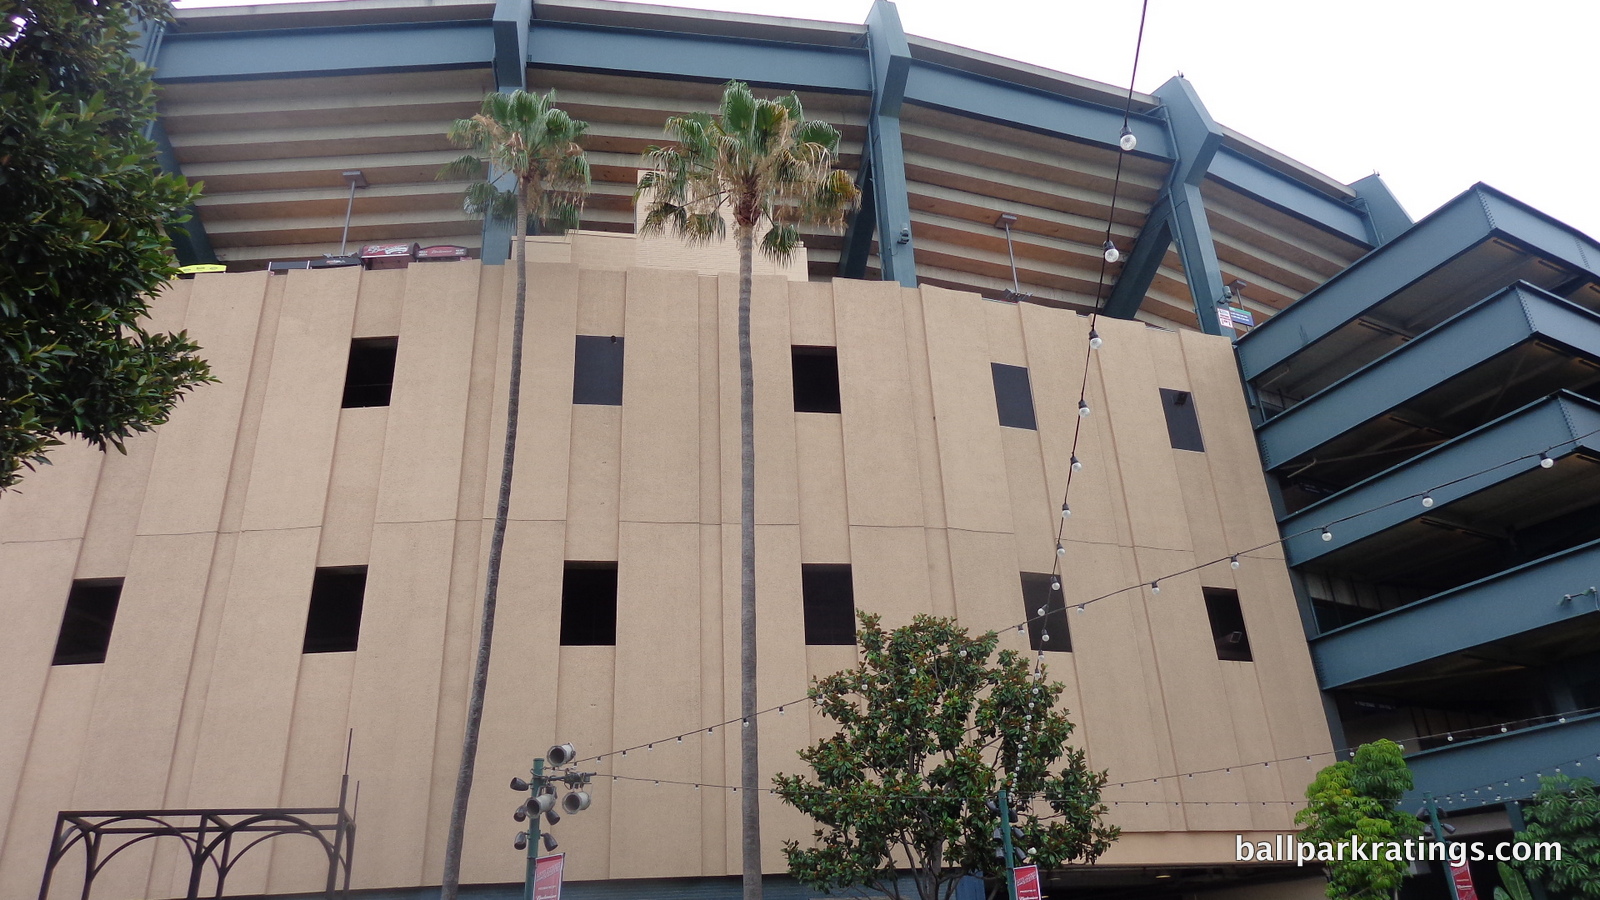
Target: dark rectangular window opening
x=597 y=370
x=1036 y=595
x=1227 y=624
x=830 y=604
x=369 y=377
x=816 y=379
x=333 y=623
x=1013 y=396
x=86 y=624
x=589 y=604
x=1183 y=426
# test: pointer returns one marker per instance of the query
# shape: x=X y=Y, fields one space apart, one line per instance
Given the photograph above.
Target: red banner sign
x=1462 y=877
x=547 y=877
x=1028 y=883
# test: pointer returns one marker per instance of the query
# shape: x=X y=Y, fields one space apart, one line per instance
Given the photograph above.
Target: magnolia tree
x=933 y=723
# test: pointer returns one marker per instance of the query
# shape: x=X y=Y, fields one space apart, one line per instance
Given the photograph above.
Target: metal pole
x=537 y=786
x=1438 y=835
x=1016 y=288
x=1005 y=829
x=349 y=206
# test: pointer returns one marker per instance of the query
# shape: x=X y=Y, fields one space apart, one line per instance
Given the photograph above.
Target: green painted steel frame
x=1501 y=768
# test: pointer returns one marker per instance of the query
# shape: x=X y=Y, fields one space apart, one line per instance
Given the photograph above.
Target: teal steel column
x=1179 y=214
x=512 y=19
x=891 y=60
x=1384 y=216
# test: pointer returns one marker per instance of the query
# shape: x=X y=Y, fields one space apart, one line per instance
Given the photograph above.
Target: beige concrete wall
x=218 y=520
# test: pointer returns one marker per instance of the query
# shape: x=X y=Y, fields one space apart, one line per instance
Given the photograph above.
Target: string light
x=1061 y=549
x=1233 y=561
x=1126 y=140
x=1327 y=535
x=1095 y=340
x=1083 y=410
x=1112 y=254
x=1066 y=511
x=1055 y=584
x=1155 y=586
x=1427 y=500
x=1076 y=465
x=1545 y=461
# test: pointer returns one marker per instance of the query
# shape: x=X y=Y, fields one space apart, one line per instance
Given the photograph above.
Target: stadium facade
x=290 y=567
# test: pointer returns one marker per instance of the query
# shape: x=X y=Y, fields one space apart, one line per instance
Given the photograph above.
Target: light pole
x=541 y=791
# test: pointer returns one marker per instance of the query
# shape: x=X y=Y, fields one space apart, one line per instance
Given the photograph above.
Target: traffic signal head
x=561 y=754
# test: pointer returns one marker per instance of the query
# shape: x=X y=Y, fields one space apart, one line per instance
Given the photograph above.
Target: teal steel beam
x=889 y=57
x=1502 y=767
x=1490 y=327
x=1030 y=109
x=1178 y=214
x=1506 y=604
x=779 y=64
x=1386 y=218
x=1474 y=216
x=345 y=50
x=1486 y=456
x=1266 y=184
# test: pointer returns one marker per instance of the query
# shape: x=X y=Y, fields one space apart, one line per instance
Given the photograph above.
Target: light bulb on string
x=1155 y=586
x=1111 y=254
x=1545 y=461
x=1045 y=637
x=1060 y=549
x=1126 y=140
x=1083 y=409
x=1066 y=511
x=1327 y=535
x=1233 y=561
x=1076 y=465
x=1427 y=500
x=1080 y=607
x=1095 y=341
x=1055 y=584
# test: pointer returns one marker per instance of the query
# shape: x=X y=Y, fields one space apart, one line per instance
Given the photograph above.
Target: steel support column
x=890 y=59
x=1386 y=219
x=189 y=239
x=512 y=19
x=1178 y=214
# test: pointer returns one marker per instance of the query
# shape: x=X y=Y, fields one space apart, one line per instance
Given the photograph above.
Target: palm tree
x=530 y=143
x=764 y=164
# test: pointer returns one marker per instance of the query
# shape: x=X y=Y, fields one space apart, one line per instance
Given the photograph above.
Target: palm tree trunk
x=491 y=584
x=750 y=773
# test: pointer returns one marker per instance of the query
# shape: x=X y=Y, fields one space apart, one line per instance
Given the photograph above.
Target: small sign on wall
x=1028 y=887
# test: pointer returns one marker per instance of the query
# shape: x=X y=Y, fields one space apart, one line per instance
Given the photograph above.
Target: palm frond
x=526 y=137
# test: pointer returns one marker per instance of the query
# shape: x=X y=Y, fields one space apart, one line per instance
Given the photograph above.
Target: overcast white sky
x=1433 y=94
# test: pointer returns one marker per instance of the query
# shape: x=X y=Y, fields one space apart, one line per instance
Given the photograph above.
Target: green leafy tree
x=83 y=208
x=1355 y=799
x=1566 y=810
x=762 y=164
x=930 y=730
x=532 y=149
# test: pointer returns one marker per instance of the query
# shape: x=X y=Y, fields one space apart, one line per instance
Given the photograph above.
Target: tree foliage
x=1566 y=810
x=757 y=161
x=82 y=246
x=527 y=139
x=929 y=731
x=1512 y=885
x=1355 y=799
